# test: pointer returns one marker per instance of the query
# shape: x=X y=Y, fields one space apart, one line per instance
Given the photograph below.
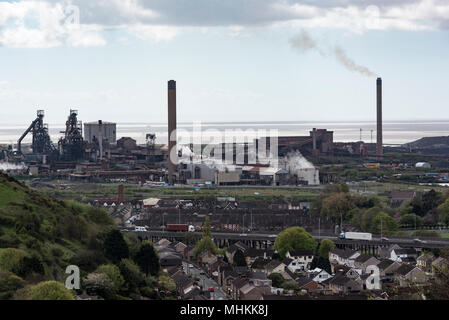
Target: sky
x=233 y=60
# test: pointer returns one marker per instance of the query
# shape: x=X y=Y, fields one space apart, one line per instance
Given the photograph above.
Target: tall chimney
x=100 y=138
x=172 y=152
x=379 y=148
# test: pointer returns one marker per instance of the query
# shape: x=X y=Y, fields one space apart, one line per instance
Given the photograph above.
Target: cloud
x=43 y=23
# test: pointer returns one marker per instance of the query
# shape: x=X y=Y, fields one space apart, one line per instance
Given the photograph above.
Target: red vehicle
x=211 y=289
x=177 y=227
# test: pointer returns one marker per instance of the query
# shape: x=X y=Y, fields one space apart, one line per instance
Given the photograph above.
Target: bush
x=113 y=273
x=131 y=273
x=9 y=283
x=99 y=284
x=99 y=216
x=50 y=290
x=88 y=260
x=11 y=259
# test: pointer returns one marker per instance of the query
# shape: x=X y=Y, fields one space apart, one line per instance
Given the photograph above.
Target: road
x=205 y=281
x=429 y=242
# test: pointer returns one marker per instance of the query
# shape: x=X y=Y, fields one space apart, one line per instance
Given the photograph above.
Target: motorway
x=205 y=281
x=271 y=237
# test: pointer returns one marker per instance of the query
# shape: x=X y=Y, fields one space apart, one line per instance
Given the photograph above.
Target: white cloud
x=156 y=33
x=43 y=23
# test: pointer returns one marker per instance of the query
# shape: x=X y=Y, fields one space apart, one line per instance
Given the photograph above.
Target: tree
x=207 y=233
x=239 y=259
x=322 y=263
x=276 y=279
x=326 y=246
x=206 y=243
x=383 y=222
x=410 y=219
x=131 y=273
x=336 y=205
x=147 y=259
x=99 y=284
x=115 y=247
x=50 y=290
x=290 y=285
x=113 y=273
x=294 y=238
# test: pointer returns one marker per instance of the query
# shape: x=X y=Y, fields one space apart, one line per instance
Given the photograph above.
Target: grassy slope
x=52 y=230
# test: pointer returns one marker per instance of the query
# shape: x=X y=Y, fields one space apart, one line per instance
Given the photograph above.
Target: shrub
x=9 y=283
x=50 y=290
x=11 y=259
x=113 y=273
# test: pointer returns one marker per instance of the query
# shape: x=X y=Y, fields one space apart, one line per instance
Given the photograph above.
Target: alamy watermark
x=228 y=146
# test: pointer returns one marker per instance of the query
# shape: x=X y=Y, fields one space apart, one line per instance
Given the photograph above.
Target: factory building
x=319 y=141
x=108 y=131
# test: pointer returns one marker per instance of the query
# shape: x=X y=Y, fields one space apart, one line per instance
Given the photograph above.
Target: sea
x=394 y=132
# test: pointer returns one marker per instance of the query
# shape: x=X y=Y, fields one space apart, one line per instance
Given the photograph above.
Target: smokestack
x=100 y=138
x=379 y=148
x=172 y=152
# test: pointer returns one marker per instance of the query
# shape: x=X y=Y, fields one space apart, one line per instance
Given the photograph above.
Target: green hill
x=40 y=236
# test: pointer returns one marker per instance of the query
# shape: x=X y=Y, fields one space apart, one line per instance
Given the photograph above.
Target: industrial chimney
x=379 y=148
x=172 y=152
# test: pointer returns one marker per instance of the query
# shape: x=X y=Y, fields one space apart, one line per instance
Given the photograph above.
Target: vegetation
x=41 y=236
x=50 y=290
x=206 y=243
x=294 y=238
x=147 y=259
x=326 y=246
x=239 y=259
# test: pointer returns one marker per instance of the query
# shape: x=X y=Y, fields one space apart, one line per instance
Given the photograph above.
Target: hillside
x=46 y=234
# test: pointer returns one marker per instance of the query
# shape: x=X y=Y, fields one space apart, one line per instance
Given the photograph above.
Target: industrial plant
x=93 y=152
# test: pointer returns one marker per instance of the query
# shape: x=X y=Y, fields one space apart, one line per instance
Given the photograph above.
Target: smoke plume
x=303 y=42
x=5 y=166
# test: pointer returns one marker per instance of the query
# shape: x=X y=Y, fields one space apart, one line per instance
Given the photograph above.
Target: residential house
x=424 y=262
x=251 y=292
x=274 y=266
x=407 y=274
x=319 y=275
x=301 y=259
x=364 y=260
x=439 y=263
x=180 y=247
x=387 y=268
x=236 y=284
x=259 y=279
x=259 y=264
x=307 y=284
x=343 y=257
x=232 y=249
x=183 y=283
x=405 y=255
x=342 y=284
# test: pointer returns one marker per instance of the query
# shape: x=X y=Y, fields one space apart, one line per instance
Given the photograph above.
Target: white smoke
x=6 y=166
x=295 y=161
x=303 y=42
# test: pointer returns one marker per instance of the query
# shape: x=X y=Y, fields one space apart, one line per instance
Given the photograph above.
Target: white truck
x=356 y=236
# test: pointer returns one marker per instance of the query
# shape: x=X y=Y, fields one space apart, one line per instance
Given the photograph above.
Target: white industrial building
x=108 y=131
